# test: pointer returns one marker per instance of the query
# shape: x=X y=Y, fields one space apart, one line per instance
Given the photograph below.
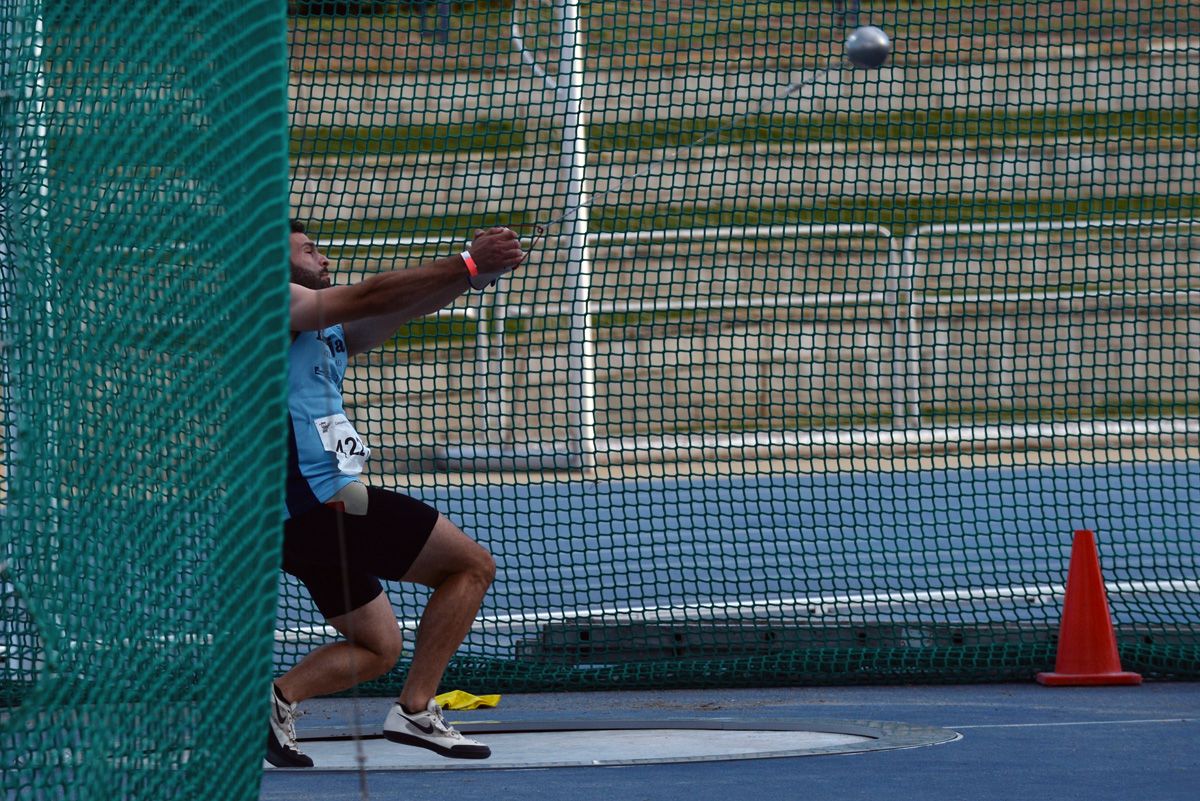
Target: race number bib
x=339 y=438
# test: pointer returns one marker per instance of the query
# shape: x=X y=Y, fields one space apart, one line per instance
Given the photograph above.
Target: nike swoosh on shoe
x=427 y=728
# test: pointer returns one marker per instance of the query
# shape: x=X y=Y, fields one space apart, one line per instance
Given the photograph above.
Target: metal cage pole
x=581 y=344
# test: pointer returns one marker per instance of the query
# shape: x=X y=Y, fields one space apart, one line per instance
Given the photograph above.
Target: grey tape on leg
x=354 y=497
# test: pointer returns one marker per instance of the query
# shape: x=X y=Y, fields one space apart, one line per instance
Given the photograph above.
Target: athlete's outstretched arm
x=395 y=292
x=495 y=252
x=373 y=309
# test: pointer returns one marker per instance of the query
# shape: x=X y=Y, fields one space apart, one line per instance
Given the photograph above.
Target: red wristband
x=472 y=269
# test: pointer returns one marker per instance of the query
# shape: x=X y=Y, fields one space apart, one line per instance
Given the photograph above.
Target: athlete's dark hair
x=297 y=227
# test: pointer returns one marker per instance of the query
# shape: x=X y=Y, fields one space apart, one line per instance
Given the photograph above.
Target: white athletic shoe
x=430 y=730
x=282 y=750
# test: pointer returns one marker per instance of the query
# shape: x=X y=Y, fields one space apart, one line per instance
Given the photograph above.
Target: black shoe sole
x=459 y=752
x=278 y=757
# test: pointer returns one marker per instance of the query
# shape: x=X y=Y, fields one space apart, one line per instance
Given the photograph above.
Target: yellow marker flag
x=457 y=699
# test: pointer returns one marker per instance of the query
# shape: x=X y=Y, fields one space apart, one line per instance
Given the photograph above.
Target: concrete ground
x=1018 y=741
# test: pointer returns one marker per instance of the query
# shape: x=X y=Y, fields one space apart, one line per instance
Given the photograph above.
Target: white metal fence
x=977 y=334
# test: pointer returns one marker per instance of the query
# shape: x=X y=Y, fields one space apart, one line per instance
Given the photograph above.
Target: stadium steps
x=1044 y=125
x=1054 y=129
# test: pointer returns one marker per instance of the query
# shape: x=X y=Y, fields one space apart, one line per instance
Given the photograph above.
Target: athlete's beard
x=308 y=279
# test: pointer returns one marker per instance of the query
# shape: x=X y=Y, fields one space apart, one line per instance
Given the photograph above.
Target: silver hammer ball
x=868 y=47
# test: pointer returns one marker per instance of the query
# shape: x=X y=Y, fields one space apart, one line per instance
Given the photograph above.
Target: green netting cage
x=810 y=373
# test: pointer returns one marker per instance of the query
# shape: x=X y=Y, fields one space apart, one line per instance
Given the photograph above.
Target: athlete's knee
x=385 y=652
x=390 y=652
x=479 y=567
x=451 y=555
x=373 y=629
x=486 y=568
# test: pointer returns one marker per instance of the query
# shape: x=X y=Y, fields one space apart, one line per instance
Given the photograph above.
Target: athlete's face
x=310 y=268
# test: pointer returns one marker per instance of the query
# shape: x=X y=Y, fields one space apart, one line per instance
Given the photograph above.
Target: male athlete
x=384 y=534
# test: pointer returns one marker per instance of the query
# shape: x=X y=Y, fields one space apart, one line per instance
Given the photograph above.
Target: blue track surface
x=586 y=545
x=842 y=530
x=1020 y=741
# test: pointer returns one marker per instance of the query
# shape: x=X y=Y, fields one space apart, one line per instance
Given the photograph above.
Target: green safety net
x=812 y=370
x=143 y=324
x=810 y=374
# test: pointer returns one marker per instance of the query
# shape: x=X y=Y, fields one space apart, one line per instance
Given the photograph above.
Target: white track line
x=1070 y=723
x=825 y=605
x=838 y=605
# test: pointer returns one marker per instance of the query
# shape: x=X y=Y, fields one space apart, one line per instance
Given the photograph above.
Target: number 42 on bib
x=339 y=438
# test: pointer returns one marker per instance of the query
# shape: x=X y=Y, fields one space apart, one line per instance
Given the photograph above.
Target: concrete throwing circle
x=618 y=742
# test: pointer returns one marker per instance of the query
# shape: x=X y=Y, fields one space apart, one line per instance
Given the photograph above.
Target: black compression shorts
x=382 y=544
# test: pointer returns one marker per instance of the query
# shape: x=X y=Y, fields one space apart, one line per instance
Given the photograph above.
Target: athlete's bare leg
x=460 y=571
x=372 y=646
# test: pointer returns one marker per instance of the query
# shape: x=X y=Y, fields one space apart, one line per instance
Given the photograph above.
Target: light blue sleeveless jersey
x=316 y=365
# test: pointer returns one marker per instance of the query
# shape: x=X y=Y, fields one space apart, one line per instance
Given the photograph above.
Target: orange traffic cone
x=1087 y=646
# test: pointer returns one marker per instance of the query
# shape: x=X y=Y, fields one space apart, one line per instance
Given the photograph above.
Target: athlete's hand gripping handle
x=493 y=253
